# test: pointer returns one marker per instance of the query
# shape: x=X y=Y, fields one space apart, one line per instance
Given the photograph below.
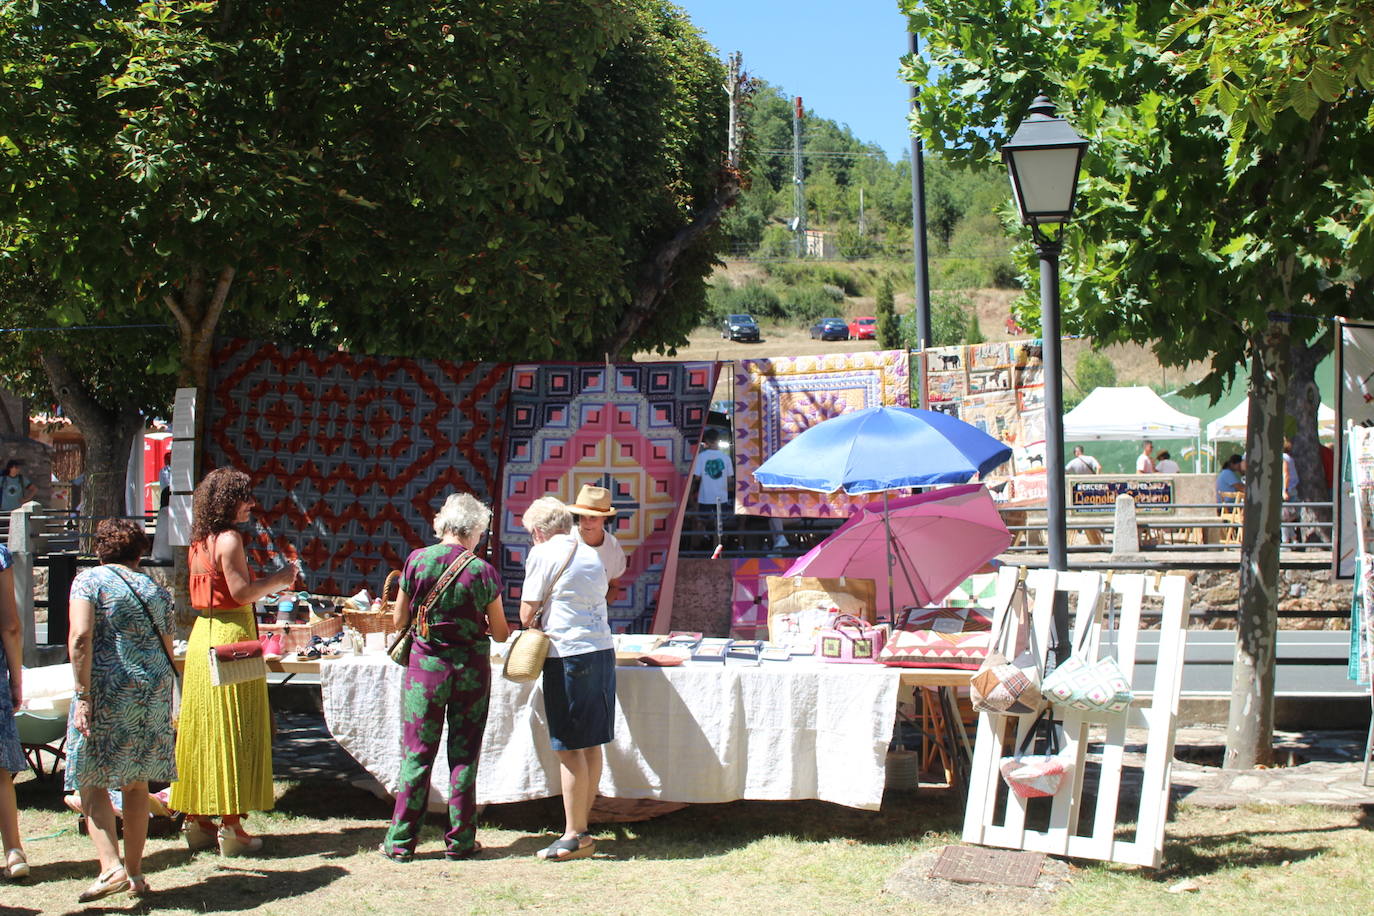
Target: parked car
x=739 y=327
x=863 y=328
x=830 y=329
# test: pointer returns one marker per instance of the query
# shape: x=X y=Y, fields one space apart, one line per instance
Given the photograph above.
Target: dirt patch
x=912 y=881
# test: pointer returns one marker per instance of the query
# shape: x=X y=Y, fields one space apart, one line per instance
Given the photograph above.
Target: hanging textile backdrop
x=1360 y=445
x=351 y=456
x=632 y=428
x=776 y=399
x=749 y=599
x=999 y=388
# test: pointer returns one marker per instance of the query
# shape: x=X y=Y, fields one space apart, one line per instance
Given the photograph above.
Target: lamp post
x=1043 y=157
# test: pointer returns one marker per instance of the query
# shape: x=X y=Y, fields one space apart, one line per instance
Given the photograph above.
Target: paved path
x=1329 y=766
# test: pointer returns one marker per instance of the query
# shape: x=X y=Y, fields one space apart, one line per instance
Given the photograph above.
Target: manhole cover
x=978 y=865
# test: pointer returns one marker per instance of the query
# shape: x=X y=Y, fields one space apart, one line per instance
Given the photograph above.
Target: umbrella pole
x=891 y=561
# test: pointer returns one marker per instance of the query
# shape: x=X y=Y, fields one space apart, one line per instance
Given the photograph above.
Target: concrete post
x=23 y=545
x=1125 y=534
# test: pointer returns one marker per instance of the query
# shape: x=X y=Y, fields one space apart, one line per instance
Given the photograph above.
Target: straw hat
x=593 y=501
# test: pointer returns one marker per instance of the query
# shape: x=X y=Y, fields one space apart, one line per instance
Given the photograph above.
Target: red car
x=863 y=328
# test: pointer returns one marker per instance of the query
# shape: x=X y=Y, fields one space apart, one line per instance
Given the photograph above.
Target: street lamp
x=1043 y=157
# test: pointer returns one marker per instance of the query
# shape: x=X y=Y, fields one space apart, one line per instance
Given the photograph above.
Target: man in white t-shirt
x=592 y=511
x=1145 y=464
x=713 y=476
x=1082 y=464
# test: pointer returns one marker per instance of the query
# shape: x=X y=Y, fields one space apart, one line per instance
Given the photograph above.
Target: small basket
x=366 y=622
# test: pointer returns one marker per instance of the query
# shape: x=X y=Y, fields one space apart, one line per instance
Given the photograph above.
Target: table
x=699 y=733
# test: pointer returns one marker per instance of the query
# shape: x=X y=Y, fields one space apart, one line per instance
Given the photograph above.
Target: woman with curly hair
x=224 y=744
x=119 y=733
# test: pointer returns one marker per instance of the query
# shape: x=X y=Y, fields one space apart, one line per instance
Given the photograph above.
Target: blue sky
x=840 y=56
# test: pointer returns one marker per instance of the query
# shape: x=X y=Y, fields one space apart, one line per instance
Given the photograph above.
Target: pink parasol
x=938 y=539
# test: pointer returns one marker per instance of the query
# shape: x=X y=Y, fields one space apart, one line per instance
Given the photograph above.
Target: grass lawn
x=741 y=858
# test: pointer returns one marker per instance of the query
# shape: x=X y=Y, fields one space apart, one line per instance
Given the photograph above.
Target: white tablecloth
x=697 y=733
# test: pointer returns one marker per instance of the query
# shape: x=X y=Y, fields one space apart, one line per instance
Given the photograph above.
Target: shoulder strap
x=544 y=605
x=459 y=563
x=147 y=613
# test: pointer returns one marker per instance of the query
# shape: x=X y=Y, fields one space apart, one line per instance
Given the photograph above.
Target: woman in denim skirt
x=579 y=675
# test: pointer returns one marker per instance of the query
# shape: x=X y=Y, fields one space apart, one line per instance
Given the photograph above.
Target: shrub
x=808 y=304
x=889 y=329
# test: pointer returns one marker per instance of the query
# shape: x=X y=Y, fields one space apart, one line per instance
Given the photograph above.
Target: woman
x=119 y=733
x=593 y=509
x=224 y=745
x=11 y=695
x=449 y=676
x=565 y=589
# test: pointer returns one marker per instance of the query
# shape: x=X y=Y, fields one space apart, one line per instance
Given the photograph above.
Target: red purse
x=236 y=662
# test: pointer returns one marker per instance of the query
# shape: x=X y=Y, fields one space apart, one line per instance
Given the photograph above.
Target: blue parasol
x=883 y=448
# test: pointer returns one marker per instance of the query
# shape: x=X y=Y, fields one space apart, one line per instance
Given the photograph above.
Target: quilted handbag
x=1009 y=687
x=1089 y=686
x=1037 y=775
x=942 y=637
x=850 y=640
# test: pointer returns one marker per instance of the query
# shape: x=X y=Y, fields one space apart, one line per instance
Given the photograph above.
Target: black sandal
x=561 y=850
x=394 y=855
x=472 y=853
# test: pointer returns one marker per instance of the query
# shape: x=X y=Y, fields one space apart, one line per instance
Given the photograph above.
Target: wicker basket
x=296 y=636
x=366 y=622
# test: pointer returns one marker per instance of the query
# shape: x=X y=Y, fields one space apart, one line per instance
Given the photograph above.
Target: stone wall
x=702 y=599
x=1303 y=590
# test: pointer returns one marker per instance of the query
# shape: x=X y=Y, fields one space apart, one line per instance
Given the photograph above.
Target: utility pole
x=863 y=224
x=918 y=224
x=734 y=82
x=798 y=181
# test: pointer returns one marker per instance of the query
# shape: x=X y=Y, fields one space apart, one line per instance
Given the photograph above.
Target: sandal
x=138 y=885
x=472 y=853
x=395 y=855
x=16 y=865
x=561 y=849
x=105 y=885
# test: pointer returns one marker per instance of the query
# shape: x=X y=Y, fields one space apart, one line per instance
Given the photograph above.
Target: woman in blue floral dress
x=120 y=731
x=12 y=861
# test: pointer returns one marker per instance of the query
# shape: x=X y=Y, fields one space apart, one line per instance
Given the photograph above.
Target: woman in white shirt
x=594 y=510
x=579 y=674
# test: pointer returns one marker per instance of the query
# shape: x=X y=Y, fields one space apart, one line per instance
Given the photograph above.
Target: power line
x=87 y=327
x=823 y=154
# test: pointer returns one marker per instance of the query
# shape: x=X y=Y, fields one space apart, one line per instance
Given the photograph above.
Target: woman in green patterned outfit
x=448 y=678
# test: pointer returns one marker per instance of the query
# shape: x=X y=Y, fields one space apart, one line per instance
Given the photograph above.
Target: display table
x=704 y=732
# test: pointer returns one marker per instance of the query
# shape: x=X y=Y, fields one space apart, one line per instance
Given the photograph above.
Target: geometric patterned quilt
x=777 y=399
x=632 y=428
x=352 y=455
x=749 y=600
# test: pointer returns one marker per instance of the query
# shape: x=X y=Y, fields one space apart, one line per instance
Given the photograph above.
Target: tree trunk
x=1301 y=404
x=109 y=434
x=1249 y=734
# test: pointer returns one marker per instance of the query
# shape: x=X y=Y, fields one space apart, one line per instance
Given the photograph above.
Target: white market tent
x=1232 y=427
x=1122 y=414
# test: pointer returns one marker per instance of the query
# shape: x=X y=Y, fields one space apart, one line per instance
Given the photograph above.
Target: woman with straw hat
x=592 y=510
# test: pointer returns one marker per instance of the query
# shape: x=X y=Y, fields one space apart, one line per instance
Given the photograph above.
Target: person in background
x=15 y=488
x=224 y=743
x=164 y=481
x=713 y=476
x=1145 y=464
x=1290 y=491
x=448 y=677
x=593 y=510
x=579 y=673
x=13 y=864
x=1230 y=482
x=1082 y=464
x=120 y=731
x=1166 y=464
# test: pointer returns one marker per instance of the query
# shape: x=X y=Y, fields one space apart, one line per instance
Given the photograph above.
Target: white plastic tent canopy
x=1232 y=427
x=1127 y=413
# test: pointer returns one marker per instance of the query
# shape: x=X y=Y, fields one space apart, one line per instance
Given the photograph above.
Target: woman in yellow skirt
x=224 y=741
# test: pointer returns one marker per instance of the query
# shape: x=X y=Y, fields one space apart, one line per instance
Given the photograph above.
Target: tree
x=1183 y=241
x=975 y=334
x=528 y=179
x=889 y=331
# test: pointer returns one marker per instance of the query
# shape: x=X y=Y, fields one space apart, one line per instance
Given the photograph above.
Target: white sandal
x=105 y=885
x=16 y=865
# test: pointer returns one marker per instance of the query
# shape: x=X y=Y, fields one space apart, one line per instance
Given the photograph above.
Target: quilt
x=351 y=455
x=632 y=428
x=777 y=399
x=749 y=597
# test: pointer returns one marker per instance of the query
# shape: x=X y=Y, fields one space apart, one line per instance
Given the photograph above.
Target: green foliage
x=806 y=305
x=889 y=327
x=796 y=273
x=752 y=298
x=1094 y=370
x=949 y=320
x=975 y=334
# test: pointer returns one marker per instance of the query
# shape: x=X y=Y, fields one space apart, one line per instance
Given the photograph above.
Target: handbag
x=941 y=637
x=1089 y=686
x=527 y=652
x=1009 y=687
x=399 y=650
x=850 y=640
x=176 y=678
x=236 y=662
x=1036 y=775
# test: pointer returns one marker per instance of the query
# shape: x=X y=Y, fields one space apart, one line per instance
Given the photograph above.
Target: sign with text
x=1153 y=496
